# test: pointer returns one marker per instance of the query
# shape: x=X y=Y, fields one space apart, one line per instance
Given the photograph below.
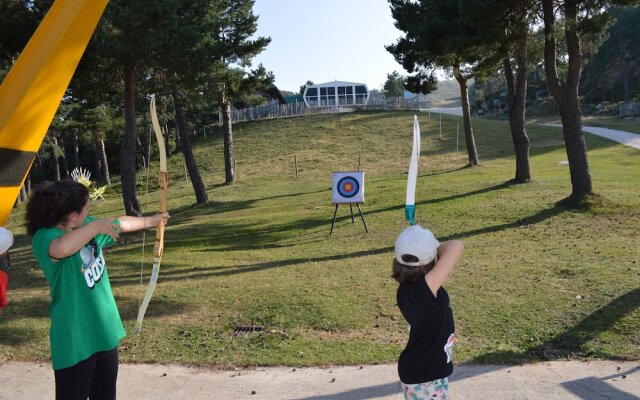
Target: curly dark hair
x=407 y=274
x=51 y=203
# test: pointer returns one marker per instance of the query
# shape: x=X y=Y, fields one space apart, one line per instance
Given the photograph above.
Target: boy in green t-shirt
x=85 y=324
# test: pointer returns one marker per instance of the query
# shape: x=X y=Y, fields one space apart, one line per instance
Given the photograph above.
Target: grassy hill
x=536 y=281
x=447 y=94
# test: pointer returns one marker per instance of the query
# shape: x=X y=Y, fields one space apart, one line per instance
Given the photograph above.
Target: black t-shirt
x=427 y=356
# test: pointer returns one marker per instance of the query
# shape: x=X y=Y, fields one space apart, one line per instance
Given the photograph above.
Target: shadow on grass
x=244 y=237
x=158 y=306
x=250 y=236
x=523 y=222
x=570 y=343
x=15 y=336
x=499 y=186
x=171 y=272
x=17 y=311
x=181 y=214
x=259 y=237
x=236 y=237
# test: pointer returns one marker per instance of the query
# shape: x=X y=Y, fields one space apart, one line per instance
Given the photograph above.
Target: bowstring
x=146 y=203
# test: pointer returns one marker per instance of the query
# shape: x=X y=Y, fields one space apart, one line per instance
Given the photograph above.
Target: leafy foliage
x=617 y=59
x=394 y=85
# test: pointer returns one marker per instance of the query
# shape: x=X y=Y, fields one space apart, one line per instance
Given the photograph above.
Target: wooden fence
x=282 y=111
x=299 y=109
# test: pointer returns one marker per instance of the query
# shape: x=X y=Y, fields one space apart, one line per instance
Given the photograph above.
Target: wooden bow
x=163 y=181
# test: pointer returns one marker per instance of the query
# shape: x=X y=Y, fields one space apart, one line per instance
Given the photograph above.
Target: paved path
x=626 y=138
x=445 y=110
x=558 y=380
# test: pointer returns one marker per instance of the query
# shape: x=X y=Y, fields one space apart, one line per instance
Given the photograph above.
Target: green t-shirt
x=84 y=316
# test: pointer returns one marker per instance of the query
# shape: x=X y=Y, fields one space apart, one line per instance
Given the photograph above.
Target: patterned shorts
x=433 y=390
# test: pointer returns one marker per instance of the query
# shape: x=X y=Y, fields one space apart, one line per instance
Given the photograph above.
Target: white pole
x=440 y=126
x=457 y=136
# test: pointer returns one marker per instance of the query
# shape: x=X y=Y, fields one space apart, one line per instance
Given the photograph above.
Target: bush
x=543 y=107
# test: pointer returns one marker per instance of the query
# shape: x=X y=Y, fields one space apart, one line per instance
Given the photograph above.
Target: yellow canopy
x=31 y=92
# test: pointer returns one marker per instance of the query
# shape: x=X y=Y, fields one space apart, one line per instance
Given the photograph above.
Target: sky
x=327 y=40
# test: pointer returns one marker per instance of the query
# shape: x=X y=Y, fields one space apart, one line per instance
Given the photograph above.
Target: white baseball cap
x=418 y=242
x=6 y=240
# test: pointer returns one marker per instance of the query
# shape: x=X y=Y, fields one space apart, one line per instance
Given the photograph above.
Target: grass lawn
x=536 y=281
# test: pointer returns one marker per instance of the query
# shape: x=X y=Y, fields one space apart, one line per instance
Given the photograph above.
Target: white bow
x=410 y=203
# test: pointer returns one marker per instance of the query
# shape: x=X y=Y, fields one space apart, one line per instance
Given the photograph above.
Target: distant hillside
x=447 y=95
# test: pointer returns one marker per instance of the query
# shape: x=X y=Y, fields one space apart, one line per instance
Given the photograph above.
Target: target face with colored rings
x=348 y=187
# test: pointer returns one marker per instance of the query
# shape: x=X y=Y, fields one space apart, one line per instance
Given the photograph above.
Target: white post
x=457 y=136
x=440 y=126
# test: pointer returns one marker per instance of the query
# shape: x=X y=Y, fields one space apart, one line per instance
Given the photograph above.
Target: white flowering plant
x=83 y=176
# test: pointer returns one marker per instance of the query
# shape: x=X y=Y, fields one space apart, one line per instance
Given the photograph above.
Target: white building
x=336 y=93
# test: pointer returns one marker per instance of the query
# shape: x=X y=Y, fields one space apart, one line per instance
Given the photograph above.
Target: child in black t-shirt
x=421 y=266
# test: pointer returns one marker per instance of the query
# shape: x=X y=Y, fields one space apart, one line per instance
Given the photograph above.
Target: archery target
x=348 y=187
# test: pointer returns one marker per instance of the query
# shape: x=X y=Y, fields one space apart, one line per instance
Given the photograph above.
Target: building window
x=312 y=96
x=328 y=95
x=361 y=94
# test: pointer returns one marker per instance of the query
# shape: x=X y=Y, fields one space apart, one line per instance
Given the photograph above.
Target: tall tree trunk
x=23 y=192
x=625 y=69
x=194 y=174
x=98 y=164
x=146 y=144
x=105 y=163
x=227 y=126
x=516 y=99
x=128 y=147
x=165 y=134
x=25 y=189
x=179 y=136
x=63 y=159
x=566 y=95
x=76 y=148
x=466 y=114
x=56 y=162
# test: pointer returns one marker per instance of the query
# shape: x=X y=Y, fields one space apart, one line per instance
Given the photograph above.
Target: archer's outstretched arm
x=131 y=224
